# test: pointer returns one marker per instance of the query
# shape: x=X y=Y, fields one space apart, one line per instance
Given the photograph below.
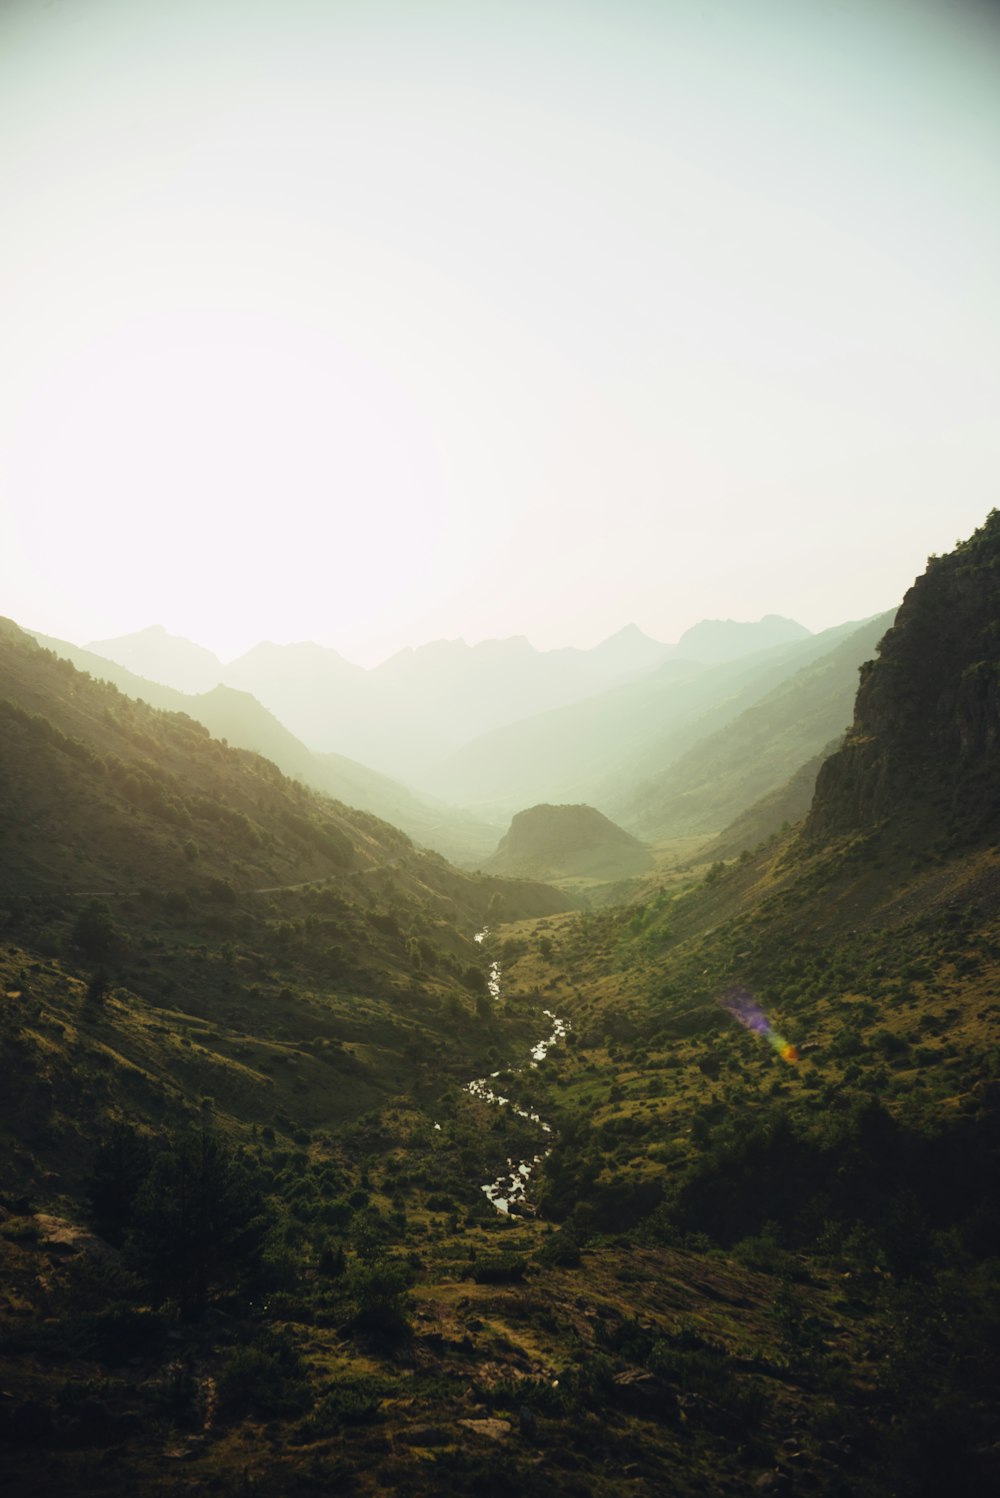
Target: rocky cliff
x=924 y=749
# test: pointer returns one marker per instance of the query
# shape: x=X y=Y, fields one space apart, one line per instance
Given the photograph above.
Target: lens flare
x=742 y=1005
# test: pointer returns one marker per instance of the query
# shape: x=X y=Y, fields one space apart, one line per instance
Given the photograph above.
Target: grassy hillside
x=568 y=842
x=762 y=1256
x=415 y=708
x=734 y=768
x=155 y=879
x=593 y=750
x=243 y=722
x=772 y=814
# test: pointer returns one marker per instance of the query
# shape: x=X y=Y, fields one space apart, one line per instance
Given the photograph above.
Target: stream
x=510 y=1188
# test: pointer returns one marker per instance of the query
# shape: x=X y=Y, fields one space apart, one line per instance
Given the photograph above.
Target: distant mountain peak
x=294 y=647
x=632 y=636
x=305 y=664
x=627 y=632
x=715 y=640
x=158 y=655
x=151 y=632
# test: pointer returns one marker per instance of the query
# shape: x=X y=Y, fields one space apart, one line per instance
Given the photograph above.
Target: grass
x=739 y=1272
x=664 y=1352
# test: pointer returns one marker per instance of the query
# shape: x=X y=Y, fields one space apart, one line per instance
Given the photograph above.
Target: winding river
x=509 y=1190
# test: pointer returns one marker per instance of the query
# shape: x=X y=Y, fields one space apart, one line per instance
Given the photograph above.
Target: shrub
x=346 y=1402
x=380 y=1295
x=508 y=1269
x=266 y=1378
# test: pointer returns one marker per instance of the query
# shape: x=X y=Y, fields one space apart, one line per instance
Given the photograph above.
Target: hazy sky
x=374 y=322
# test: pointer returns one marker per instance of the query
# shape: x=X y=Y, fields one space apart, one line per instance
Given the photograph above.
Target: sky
x=373 y=323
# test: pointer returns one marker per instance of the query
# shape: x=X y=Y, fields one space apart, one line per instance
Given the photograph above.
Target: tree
x=98 y=986
x=122 y=1162
x=474 y=979
x=332 y=1263
x=200 y=1223
x=94 y=931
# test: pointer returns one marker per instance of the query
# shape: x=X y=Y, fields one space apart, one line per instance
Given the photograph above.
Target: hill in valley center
x=567 y=842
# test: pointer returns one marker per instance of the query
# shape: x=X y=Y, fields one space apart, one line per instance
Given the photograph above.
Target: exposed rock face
x=925 y=744
x=566 y=842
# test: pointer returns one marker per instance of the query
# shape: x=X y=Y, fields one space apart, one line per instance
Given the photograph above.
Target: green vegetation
x=561 y=843
x=243 y=1241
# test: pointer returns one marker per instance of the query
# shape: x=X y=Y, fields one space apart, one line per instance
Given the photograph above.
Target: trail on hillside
x=267 y=889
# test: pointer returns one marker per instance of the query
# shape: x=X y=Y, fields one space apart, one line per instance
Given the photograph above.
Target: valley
x=499 y=749
x=331 y=1166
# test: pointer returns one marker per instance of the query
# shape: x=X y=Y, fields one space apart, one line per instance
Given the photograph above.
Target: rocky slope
x=924 y=748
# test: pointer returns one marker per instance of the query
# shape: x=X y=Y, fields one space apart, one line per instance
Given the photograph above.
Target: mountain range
x=266 y=1066
x=239 y=718
x=605 y=749
x=662 y=750
x=408 y=714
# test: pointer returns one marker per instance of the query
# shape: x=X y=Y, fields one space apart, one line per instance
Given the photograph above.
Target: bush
x=346 y=1402
x=265 y=1379
x=561 y=1250
x=505 y=1270
x=766 y=1253
x=380 y=1295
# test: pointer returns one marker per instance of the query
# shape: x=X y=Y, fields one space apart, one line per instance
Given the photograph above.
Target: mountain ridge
x=234 y=714
x=753 y=755
x=413 y=710
x=584 y=751
x=767 y=1221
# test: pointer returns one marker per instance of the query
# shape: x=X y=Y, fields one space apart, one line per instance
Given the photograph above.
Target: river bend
x=509 y=1190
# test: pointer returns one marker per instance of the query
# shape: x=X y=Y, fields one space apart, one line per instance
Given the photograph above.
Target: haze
x=370 y=323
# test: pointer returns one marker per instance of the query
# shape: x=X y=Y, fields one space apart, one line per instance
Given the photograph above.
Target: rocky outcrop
x=924 y=747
